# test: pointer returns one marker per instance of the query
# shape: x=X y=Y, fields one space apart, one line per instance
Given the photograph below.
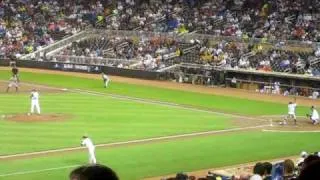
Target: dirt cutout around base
x=303 y=125
x=36 y=118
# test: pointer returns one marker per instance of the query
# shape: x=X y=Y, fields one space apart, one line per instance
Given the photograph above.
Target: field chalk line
x=155 y=102
x=141 y=100
x=37 y=171
x=126 y=142
x=133 y=141
x=111 y=144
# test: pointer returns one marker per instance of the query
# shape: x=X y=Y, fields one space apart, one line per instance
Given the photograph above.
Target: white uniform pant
x=106 y=82
x=291 y=115
x=314 y=118
x=92 y=156
x=35 y=105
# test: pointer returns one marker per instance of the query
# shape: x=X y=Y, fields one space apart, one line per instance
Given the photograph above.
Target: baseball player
x=314 y=117
x=86 y=141
x=106 y=80
x=291 y=112
x=35 y=101
x=15 y=71
x=13 y=82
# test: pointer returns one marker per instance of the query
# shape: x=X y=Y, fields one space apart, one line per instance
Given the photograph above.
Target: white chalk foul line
x=141 y=100
x=162 y=103
x=132 y=142
x=37 y=171
x=288 y=131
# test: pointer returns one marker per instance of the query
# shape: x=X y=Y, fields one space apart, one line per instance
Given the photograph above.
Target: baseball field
x=142 y=129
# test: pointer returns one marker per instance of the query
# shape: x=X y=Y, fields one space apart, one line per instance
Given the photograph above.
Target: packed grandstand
x=237 y=34
x=253 y=34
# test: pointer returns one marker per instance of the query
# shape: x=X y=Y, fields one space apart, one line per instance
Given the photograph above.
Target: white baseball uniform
x=106 y=80
x=91 y=149
x=13 y=82
x=315 y=116
x=292 y=110
x=35 y=102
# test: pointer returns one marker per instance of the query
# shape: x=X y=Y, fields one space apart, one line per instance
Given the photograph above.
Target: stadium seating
x=28 y=25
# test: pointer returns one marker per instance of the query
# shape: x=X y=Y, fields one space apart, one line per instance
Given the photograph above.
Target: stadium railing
x=140 y=34
x=54 y=46
x=91 y=60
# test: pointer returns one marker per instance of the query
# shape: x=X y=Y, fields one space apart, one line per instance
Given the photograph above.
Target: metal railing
x=53 y=46
x=91 y=60
x=89 y=33
x=192 y=36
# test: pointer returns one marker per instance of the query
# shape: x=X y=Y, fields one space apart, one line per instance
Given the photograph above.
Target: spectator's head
x=93 y=172
x=309 y=160
x=267 y=168
x=255 y=177
x=75 y=174
x=311 y=171
x=259 y=169
x=288 y=167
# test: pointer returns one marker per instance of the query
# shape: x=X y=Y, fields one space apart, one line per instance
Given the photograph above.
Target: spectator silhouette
x=93 y=172
x=311 y=171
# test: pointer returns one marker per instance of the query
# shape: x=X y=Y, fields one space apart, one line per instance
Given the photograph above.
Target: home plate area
x=304 y=125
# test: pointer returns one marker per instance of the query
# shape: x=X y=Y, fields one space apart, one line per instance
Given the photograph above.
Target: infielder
x=86 y=141
x=105 y=79
x=35 y=101
x=314 y=117
x=291 y=112
x=13 y=82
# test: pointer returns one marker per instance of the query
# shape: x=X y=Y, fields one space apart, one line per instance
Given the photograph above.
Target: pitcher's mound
x=36 y=118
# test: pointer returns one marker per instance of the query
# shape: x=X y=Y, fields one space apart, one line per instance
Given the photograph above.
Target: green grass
x=103 y=118
x=148 y=160
x=221 y=103
x=110 y=120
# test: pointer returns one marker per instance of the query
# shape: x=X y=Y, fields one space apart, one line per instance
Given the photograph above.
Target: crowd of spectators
x=155 y=50
x=305 y=168
x=270 y=19
x=150 y=51
x=29 y=25
x=238 y=55
x=266 y=19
